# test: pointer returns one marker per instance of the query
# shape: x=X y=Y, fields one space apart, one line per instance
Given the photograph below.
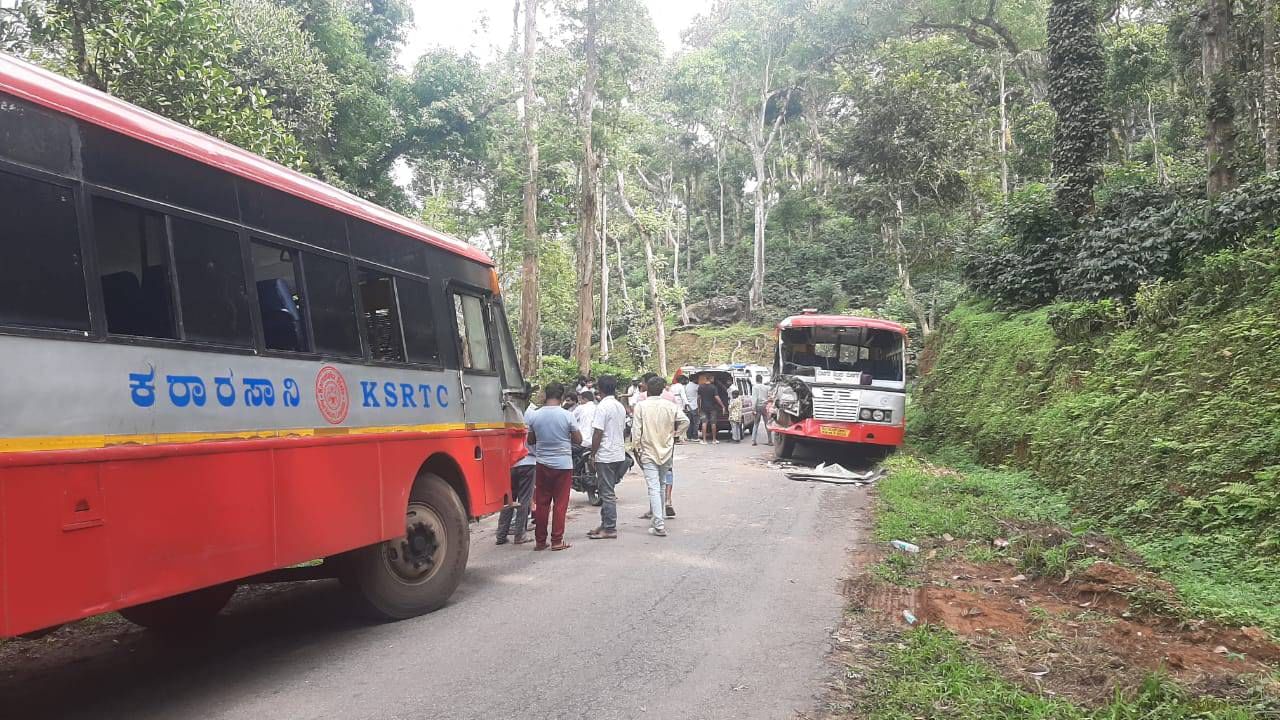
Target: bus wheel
x=185 y=612
x=783 y=446
x=417 y=573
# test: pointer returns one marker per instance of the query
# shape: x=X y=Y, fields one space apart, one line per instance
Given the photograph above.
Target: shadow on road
x=86 y=670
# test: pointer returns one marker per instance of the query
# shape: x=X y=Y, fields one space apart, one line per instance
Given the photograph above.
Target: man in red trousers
x=554 y=433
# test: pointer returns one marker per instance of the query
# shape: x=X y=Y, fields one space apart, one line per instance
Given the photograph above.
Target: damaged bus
x=838 y=379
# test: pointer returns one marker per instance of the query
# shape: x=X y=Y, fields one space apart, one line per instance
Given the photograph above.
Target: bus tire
x=418 y=572
x=783 y=446
x=181 y=613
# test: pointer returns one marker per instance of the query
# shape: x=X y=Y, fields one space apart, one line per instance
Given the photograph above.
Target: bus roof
x=58 y=93
x=813 y=320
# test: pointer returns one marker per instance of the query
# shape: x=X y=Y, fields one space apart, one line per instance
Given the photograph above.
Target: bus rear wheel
x=416 y=573
x=181 y=613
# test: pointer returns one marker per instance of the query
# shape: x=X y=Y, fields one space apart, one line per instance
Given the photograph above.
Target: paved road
x=728 y=617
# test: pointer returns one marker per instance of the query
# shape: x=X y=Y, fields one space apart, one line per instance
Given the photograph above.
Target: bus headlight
x=865 y=414
x=880 y=415
x=875 y=415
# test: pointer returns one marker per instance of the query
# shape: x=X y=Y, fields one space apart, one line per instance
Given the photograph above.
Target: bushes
x=1139 y=235
x=555 y=368
x=1162 y=421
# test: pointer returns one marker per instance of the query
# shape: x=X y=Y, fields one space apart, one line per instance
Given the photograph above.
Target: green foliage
x=559 y=369
x=169 y=56
x=1161 y=425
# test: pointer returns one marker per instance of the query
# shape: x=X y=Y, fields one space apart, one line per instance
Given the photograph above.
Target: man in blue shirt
x=553 y=430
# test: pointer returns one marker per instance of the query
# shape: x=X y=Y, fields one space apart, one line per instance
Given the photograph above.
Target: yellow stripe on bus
x=87 y=442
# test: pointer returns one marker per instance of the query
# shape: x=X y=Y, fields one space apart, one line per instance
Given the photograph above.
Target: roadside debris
x=909 y=617
x=905 y=546
x=833 y=473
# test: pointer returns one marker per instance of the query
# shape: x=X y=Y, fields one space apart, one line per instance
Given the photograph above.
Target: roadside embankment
x=1158 y=423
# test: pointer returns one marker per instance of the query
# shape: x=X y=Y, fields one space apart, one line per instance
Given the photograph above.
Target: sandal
x=541 y=546
x=602 y=534
x=562 y=545
x=521 y=541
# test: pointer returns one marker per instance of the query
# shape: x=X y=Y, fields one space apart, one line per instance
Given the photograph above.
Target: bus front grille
x=835 y=404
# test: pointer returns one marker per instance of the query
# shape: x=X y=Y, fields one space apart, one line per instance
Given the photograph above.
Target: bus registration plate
x=834 y=431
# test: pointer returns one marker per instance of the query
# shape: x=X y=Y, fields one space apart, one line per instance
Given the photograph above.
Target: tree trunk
x=720 y=182
x=604 y=276
x=530 y=357
x=1270 y=86
x=892 y=233
x=1004 y=134
x=659 y=322
x=587 y=203
x=755 y=300
x=1161 y=175
x=1219 y=111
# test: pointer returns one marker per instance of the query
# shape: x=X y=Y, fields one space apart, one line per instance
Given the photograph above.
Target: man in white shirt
x=690 y=392
x=583 y=412
x=656 y=424
x=607 y=424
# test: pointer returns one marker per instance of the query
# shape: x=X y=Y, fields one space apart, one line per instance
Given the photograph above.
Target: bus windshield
x=845 y=349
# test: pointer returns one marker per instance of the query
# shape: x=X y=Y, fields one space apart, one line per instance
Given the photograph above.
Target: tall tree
x=642 y=226
x=1271 y=86
x=589 y=180
x=1076 y=74
x=530 y=357
x=1220 y=141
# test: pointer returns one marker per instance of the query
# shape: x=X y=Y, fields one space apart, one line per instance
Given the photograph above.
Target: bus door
x=480 y=391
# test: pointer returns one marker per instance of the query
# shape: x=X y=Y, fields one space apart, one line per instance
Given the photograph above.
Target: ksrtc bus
x=216 y=368
x=838 y=379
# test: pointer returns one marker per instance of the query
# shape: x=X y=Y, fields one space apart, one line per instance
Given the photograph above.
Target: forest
x=888 y=157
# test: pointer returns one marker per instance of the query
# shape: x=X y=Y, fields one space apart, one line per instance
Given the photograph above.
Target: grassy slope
x=713 y=346
x=1164 y=429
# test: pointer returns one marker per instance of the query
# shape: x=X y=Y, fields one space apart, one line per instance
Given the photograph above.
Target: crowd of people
x=594 y=420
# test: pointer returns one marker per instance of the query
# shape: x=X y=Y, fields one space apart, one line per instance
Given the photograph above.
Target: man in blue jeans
x=521 y=497
x=607 y=447
x=655 y=424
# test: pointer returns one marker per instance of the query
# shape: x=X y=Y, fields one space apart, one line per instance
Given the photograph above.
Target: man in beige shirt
x=655 y=424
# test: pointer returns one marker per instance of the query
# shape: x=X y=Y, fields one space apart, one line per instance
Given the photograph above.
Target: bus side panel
x=57 y=565
x=328 y=500
x=497 y=468
x=401 y=461
x=186 y=522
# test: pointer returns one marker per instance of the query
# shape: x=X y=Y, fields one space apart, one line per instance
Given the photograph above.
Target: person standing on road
x=583 y=412
x=521 y=496
x=709 y=407
x=552 y=429
x=607 y=448
x=735 y=416
x=759 y=395
x=655 y=425
x=690 y=391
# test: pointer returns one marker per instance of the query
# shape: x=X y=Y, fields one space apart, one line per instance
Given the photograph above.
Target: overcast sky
x=479 y=25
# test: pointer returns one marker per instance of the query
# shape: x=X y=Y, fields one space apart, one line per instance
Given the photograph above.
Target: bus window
x=41 y=280
x=381 y=316
x=332 y=305
x=211 y=284
x=418 y=321
x=473 y=336
x=511 y=378
x=280 y=301
x=133 y=265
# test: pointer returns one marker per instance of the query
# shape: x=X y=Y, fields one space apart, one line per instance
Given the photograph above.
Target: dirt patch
x=1083 y=637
